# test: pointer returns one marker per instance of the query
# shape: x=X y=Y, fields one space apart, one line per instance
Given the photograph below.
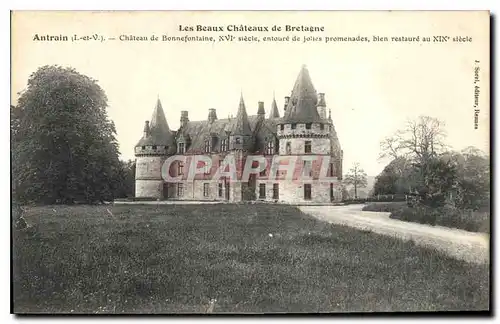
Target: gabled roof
x=301 y=107
x=160 y=133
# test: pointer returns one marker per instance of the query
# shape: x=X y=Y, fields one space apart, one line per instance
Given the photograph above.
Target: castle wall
x=195 y=190
x=293 y=192
x=149 y=188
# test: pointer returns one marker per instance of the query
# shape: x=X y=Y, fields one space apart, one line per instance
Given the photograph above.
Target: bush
x=473 y=221
x=384 y=207
x=378 y=198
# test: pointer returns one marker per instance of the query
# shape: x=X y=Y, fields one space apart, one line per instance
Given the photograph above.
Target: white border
x=491 y=5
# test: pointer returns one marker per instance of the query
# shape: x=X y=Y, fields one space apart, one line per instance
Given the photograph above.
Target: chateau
x=305 y=132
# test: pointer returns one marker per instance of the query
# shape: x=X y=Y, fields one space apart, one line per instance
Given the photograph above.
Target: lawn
x=175 y=258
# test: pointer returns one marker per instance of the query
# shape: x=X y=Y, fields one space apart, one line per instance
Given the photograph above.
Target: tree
x=472 y=187
x=420 y=140
x=357 y=178
x=65 y=148
x=126 y=179
x=419 y=146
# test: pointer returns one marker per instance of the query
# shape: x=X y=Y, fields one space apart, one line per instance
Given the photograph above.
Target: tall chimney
x=212 y=115
x=261 y=112
x=184 y=118
x=287 y=99
x=321 y=106
x=147 y=129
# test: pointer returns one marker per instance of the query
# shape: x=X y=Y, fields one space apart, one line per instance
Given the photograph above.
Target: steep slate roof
x=160 y=133
x=302 y=105
x=200 y=131
x=241 y=125
x=274 y=110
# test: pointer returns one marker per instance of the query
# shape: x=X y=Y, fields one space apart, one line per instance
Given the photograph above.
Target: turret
x=304 y=135
x=152 y=149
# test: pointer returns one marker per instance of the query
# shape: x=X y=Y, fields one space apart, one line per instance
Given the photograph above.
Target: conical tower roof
x=241 y=125
x=160 y=133
x=302 y=105
x=274 y=110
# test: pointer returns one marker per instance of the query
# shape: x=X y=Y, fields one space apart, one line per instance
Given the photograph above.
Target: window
x=307 y=168
x=262 y=190
x=322 y=126
x=276 y=191
x=180 y=168
x=143 y=147
x=282 y=127
x=220 y=189
x=307 y=191
x=308 y=126
x=294 y=126
x=154 y=147
x=206 y=189
x=223 y=146
x=307 y=147
x=180 y=189
x=237 y=140
x=288 y=148
x=270 y=147
x=330 y=171
x=331 y=192
x=208 y=146
x=263 y=172
x=181 y=148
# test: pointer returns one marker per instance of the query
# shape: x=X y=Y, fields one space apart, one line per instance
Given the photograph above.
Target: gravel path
x=468 y=246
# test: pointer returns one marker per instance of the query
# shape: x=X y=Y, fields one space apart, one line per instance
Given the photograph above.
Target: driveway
x=468 y=246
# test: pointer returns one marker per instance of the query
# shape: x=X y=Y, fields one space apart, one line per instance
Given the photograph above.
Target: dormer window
x=322 y=126
x=143 y=147
x=270 y=147
x=154 y=147
x=181 y=148
x=308 y=126
x=294 y=126
x=208 y=146
x=282 y=127
x=223 y=146
x=237 y=140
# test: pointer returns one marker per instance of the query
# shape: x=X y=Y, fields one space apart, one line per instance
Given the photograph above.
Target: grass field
x=175 y=258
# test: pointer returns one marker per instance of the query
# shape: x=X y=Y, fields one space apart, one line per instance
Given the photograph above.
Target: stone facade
x=303 y=133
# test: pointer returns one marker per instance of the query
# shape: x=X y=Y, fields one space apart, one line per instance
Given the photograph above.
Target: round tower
x=304 y=137
x=156 y=144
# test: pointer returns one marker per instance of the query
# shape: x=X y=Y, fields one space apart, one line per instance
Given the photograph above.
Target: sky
x=372 y=88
